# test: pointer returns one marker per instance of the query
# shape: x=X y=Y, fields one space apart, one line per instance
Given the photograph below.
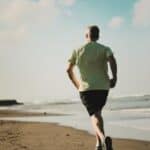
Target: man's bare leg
x=97 y=122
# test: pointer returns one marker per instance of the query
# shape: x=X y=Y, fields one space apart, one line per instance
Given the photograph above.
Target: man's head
x=92 y=33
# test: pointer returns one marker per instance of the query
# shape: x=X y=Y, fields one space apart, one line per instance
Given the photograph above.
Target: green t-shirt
x=91 y=60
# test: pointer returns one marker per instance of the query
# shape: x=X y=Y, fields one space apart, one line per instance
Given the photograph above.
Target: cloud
x=65 y=6
x=19 y=17
x=67 y=2
x=68 y=13
x=141 y=16
x=116 y=22
x=25 y=11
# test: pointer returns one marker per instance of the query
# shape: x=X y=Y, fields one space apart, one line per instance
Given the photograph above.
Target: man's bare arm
x=113 y=66
x=72 y=75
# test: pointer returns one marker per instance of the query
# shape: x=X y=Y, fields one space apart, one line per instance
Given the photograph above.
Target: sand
x=16 y=135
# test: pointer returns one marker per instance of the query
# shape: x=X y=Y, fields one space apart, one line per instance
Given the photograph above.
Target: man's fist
x=113 y=82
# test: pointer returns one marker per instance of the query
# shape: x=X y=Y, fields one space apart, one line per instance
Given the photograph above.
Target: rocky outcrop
x=9 y=102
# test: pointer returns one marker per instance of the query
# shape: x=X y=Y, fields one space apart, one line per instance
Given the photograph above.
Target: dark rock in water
x=45 y=113
x=9 y=102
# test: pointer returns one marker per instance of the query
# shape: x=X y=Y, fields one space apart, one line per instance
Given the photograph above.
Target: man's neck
x=89 y=40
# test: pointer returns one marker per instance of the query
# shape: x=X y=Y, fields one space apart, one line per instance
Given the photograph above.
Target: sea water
x=124 y=117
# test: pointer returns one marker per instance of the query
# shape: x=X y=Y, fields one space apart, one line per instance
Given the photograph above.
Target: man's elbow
x=112 y=60
x=69 y=71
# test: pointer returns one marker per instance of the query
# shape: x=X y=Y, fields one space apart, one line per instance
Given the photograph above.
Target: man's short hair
x=94 y=32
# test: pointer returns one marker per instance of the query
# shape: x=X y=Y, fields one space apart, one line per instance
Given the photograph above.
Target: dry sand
x=48 y=136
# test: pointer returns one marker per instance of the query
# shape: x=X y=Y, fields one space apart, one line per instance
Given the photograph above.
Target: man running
x=92 y=60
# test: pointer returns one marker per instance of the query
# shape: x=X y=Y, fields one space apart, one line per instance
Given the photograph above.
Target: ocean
x=124 y=117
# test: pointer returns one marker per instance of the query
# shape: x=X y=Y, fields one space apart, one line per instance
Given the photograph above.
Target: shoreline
x=24 y=135
x=17 y=113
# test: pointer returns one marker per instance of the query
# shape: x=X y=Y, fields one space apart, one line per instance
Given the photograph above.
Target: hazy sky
x=38 y=36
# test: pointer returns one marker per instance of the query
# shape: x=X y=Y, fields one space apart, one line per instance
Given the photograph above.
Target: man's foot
x=108 y=142
x=103 y=147
x=98 y=148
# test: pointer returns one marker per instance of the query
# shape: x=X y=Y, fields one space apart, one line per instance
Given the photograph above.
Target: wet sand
x=16 y=135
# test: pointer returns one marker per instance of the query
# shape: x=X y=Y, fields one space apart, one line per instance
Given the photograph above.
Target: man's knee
x=98 y=114
x=96 y=117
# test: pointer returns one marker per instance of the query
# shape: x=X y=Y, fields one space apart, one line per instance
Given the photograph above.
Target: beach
x=17 y=135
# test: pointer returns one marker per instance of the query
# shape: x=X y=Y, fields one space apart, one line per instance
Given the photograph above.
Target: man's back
x=91 y=60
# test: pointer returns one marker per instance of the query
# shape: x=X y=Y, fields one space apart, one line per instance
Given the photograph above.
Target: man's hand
x=113 y=82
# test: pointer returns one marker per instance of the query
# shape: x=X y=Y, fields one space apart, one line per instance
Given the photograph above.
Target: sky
x=37 y=38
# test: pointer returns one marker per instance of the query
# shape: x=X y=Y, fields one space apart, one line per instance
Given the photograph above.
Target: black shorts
x=94 y=100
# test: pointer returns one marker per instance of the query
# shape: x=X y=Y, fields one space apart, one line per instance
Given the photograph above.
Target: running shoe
x=108 y=142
